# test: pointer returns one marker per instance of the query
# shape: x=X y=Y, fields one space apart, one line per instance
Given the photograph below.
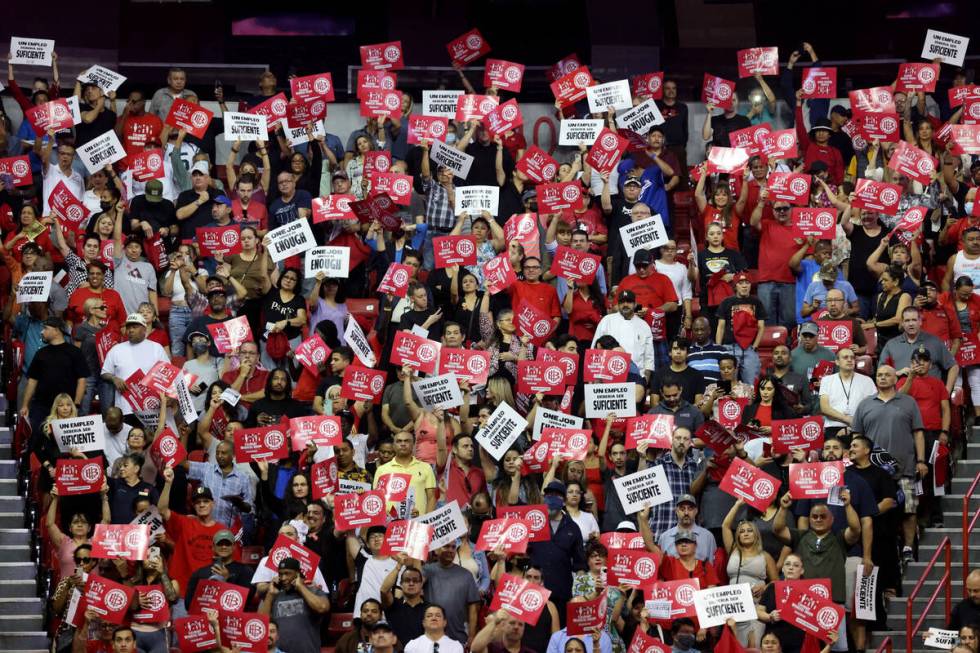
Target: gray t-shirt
x=134 y=281
x=299 y=627
x=206 y=373
x=890 y=424
x=454 y=589
x=394 y=399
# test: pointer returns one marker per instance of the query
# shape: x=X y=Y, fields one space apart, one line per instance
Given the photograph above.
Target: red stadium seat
x=772 y=336
x=865 y=365
x=340 y=623
x=365 y=311
x=163 y=308
x=872 y=337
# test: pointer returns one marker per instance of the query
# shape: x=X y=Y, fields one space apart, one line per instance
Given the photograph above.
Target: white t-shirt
x=677 y=273
x=845 y=397
x=115 y=444
x=423 y=644
x=52 y=175
x=374 y=573
x=586 y=523
x=125 y=358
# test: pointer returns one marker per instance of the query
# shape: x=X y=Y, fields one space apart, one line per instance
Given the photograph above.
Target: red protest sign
x=195 y=634
x=835 y=334
x=819 y=83
x=512 y=534
x=780 y=144
x=812 y=614
x=394 y=487
x=913 y=163
x=570 y=87
x=573 y=265
x=504 y=118
x=284 y=548
x=467 y=364
x=161 y=377
x=680 y=593
x=167 y=450
x=498 y=273
x=325 y=478
x=650 y=85
x=108 y=599
x=727 y=159
x=376 y=161
x=362 y=383
x=333 y=207
x=374 y=80
x=606 y=151
x=454 y=250
x=572 y=444
x=749 y=483
x=643 y=643
x=503 y=75
x=396 y=185
x=63 y=202
x=410 y=349
x=877 y=126
x=605 y=366
x=300 y=114
x=312 y=353
x=730 y=411
x=966 y=138
x=814 y=480
x=310 y=87
x=79 y=475
x=969 y=351
x=383 y=56
x=189 y=116
x=758 y=61
x=50 y=116
x=219 y=241
x=536 y=516
x=152 y=605
x=715 y=436
x=616 y=540
x=960 y=94
x=521 y=598
x=585 y=616
x=218 y=595
x=356 y=510
x=322 y=430
x=877 y=196
x=564 y=66
x=878 y=99
x=430 y=128
x=534 y=323
x=141 y=398
x=409 y=537
x=474 y=107
x=523 y=227
x=566 y=195
x=537 y=165
x=378 y=104
x=274 y=110
x=468 y=47
x=804 y=433
x=819 y=587
x=395 y=281
x=378 y=207
x=916 y=77
x=568 y=361
x=246 y=631
x=263 y=443
x=821 y=223
x=789 y=187
x=147 y=165
x=717 y=92
x=633 y=567
x=539 y=376
x=654 y=430
x=19 y=169
x=230 y=334
x=751 y=139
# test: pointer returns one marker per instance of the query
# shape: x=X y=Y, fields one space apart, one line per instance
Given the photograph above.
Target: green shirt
x=823 y=557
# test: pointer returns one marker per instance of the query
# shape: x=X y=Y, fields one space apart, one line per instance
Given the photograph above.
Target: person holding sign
x=66 y=546
x=136 y=353
x=296 y=607
x=63 y=171
x=747 y=563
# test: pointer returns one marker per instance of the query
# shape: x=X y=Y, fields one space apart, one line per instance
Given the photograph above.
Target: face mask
x=968 y=207
x=199 y=348
x=105 y=206
x=684 y=641
x=554 y=503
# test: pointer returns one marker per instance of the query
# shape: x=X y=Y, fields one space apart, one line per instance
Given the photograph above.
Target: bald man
x=837 y=311
x=967 y=611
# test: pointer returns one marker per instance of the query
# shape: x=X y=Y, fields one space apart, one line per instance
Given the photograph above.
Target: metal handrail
x=946 y=581
x=885 y=646
x=968 y=528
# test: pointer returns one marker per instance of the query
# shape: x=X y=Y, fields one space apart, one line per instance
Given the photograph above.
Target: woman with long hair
x=466 y=297
x=248 y=167
x=966 y=304
x=328 y=301
x=355 y=167
x=748 y=563
x=155 y=330
x=250 y=272
x=585 y=520
x=716 y=257
x=720 y=208
x=499 y=338
x=509 y=487
x=788 y=635
x=284 y=307
x=888 y=306
x=585 y=307
x=79 y=531
x=31 y=229
x=769 y=404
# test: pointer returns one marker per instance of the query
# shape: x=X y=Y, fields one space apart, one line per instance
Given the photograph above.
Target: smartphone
x=602 y=574
x=726 y=386
x=153 y=552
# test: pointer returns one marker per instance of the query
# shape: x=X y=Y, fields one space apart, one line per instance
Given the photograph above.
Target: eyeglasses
x=101 y=308
x=780 y=209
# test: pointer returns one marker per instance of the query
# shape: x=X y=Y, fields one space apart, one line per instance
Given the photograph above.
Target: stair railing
x=968 y=525
x=945 y=547
x=885 y=646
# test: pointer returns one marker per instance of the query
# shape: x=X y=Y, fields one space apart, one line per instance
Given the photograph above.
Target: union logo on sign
x=799 y=187
x=644 y=568
x=401 y=187
x=255 y=630
x=531 y=600
x=809 y=86
x=229 y=238
x=827 y=618
x=926 y=75
x=372 y=505
x=512 y=74
x=517 y=533
x=722 y=91
x=199 y=119
x=391 y=53
x=231 y=602
x=321 y=86
x=554 y=375
x=399 y=277
x=608 y=142
x=829 y=476
x=274 y=439
x=21 y=168
x=763 y=488
x=888 y=125
x=476 y=365
x=91 y=473
x=426 y=353
x=473 y=42
x=115 y=600
x=581 y=80
x=571 y=194
x=685 y=594
x=377 y=384
x=889 y=196
x=542 y=328
x=509 y=112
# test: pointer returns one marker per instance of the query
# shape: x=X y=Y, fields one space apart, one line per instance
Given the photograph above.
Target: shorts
x=850 y=580
x=907 y=485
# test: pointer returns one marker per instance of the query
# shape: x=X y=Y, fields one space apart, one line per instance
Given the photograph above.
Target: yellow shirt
x=422 y=479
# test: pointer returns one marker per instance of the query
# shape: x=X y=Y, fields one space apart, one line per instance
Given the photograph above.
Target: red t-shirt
x=751 y=199
x=160 y=337
x=583 y=319
x=652 y=292
x=928 y=392
x=941 y=321
x=955 y=231
x=115 y=313
x=539 y=295
x=711 y=214
x=776 y=248
x=590 y=220
x=193 y=545
x=138 y=131
x=253 y=384
x=460 y=486
x=258 y=215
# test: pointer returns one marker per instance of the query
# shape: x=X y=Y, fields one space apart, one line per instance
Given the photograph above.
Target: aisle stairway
x=963 y=476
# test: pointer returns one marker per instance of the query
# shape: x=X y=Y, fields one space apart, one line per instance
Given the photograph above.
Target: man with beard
x=137 y=353
x=679 y=373
x=686 y=510
x=137 y=128
x=965 y=262
x=885 y=524
x=541 y=296
x=277 y=403
x=794 y=381
x=837 y=312
x=58 y=367
x=741 y=323
x=358 y=637
x=562 y=555
x=630 y=331
x=938 y=319
x=685 y=470
x=673 y=403
x=464 y=476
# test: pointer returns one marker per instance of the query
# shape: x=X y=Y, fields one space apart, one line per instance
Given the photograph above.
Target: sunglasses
x=83 y=561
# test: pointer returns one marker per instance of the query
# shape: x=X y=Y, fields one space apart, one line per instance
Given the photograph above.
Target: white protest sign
x=245 y=127
x=438 y=392
x=231 y=396
x=640 y=118
x=552 y=419
x=643 y=489
x=718 y=604
x=503 y=427
x=33 y=52
x=290 y=239
x=643 y=234
x=477 y=199
x=939 y=638
x=107 y=80
x=356 y=340
x=658 y=608
x=447 y=524
x=299 y=135
x=864 y=594
x=604 y=398
x=440 y=103
x=150 y=517
x=447 y=155
x=76 y=113
x=948 y=47
x=34 y=287
x=573 y=132
x=185 y=400
x=611 y=94
x=100 y=151
x=332 y=261
x=83 y=433
x=347 y=486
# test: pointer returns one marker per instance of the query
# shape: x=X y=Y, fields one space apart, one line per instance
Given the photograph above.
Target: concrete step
x=20 y=606
x=17 y=571
x=22 y=622
x=11 y=640
x=12 y=520
x=15 y=553
x=8 y=468
x=23 y=589
x=15 y=536
x=933 y=536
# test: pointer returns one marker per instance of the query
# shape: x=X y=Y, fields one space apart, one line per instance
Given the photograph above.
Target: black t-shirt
x=483 y=172
x=728 y=306
x=412 y=318
x=721 y=127
x=86 y=131
x=691 y=381
x=57 y=369
x=406 y=620
x=276 y=310
x=201 y=323
x=276 y=408
x=158 y=214
x=861 y=247
x=711 y=262
x=200 y=218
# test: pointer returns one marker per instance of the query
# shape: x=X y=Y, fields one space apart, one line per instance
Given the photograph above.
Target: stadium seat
x=365 y=311
x=772 y=336
x=872 y=337
x=865 y=365
x=340 y=623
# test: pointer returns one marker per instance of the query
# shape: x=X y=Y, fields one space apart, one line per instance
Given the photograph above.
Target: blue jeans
x=180 y=317
x=428 y=254
x=749 y=365
x=867 y=306
x=91 y=385
x=779 y=300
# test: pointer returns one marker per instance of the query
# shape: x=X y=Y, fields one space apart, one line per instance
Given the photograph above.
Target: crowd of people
x=721 y=335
